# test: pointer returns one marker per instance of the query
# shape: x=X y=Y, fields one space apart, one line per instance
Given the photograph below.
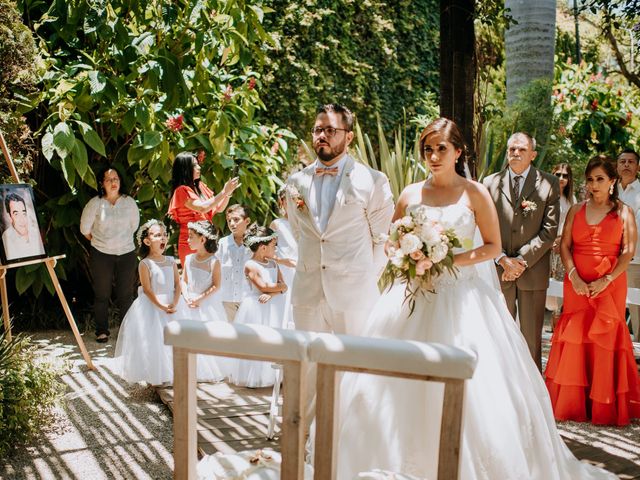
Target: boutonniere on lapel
x=528 y=206
x=297 y=198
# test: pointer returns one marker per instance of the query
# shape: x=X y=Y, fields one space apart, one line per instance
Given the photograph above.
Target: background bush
x=29 y=388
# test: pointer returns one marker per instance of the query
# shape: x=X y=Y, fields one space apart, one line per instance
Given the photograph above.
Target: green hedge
x=374 y=56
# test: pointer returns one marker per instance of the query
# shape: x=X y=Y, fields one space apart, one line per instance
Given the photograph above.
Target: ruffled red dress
x=591 y=373
x=182 y=214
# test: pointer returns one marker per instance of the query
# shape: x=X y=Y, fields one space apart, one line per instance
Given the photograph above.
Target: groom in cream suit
x=528 y=204
x=337 y=208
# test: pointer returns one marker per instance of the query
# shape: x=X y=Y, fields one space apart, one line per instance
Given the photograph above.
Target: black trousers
x=107 y=271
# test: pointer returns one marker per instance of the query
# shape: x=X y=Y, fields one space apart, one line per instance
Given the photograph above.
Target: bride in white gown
x=509 y=429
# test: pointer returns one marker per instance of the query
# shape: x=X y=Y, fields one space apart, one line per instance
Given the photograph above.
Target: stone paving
x=109 y=429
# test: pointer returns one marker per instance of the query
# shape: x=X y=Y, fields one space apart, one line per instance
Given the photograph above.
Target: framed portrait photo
x=21 y=239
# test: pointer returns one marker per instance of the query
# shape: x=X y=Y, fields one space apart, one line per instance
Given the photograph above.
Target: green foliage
x=531 y=113
x=566 y=48
x=17 y=78
x=373 y=56
x=29 y=388
x=131 y=84
x=621 y=10
x=594 y=112
x=401 y=163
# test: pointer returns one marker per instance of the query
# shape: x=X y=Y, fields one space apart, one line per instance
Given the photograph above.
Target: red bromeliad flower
x=252 y=83
x=201 y=156
x=175 y=124
x=629 y=115
x=594 y=104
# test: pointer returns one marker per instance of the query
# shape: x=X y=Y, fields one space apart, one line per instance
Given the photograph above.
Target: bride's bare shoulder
x=411 y=191
x=413 y=187
x=477 y=193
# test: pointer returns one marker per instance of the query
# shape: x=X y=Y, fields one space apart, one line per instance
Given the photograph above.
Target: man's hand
x=513 y=268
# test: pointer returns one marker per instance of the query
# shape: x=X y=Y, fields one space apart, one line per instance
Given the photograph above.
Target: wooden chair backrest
x=252 y=342
x=394 y=358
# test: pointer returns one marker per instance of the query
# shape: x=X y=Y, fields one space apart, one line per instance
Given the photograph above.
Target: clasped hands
x=170 y=308
x=589 y=289
x=512 y=268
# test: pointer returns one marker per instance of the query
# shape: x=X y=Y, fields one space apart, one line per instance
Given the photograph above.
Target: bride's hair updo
x=451 y=133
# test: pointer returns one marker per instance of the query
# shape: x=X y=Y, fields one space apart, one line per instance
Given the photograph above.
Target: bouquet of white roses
x=419 y=249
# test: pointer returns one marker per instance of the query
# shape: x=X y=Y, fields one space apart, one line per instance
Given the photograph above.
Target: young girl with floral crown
x=200 y=286
x=140 y=349
x=287 y=253
x=263 y=303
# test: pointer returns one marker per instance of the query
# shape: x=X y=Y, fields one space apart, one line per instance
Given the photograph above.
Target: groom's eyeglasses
x=562 y=175
x=328 y=131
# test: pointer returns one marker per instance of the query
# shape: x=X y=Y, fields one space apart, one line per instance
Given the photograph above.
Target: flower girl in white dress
x=287 y=254
x=200 y=286
x=140 y=349
x=263 y=303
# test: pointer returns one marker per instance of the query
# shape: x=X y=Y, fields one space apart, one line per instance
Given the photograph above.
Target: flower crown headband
x=252 y=240
x=145 y=227
x=200 y=229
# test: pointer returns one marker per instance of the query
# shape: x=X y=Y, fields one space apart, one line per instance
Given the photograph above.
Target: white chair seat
x=248 y=465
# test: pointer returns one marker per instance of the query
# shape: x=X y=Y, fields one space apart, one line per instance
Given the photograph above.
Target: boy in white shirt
x=232 y=255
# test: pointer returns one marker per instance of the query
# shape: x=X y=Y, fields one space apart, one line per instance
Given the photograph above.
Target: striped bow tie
x=333 y=171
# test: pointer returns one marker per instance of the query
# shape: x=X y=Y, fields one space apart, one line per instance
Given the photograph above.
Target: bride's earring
x=611 y=189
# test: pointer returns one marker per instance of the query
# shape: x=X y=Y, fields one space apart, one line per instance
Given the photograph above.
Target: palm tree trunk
x=530 y=44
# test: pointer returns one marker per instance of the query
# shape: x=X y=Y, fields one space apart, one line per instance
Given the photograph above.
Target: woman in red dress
x=591 y=372
x=192 y=200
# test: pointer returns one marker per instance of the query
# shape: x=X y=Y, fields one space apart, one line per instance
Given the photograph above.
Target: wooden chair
x=253 y=342
x=395 y=358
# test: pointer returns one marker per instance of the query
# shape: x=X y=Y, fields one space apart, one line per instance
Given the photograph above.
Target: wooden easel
x=50 y=263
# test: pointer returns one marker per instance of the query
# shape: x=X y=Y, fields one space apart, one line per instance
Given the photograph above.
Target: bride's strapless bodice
x=462 y=220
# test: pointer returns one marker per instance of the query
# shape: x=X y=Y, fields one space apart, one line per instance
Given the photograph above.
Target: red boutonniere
x=297 y=198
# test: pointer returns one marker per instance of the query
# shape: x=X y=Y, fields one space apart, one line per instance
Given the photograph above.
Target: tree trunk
x=458 y=67
x=530 y=44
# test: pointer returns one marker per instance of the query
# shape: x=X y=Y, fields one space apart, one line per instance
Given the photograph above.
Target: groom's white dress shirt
x=323 y=192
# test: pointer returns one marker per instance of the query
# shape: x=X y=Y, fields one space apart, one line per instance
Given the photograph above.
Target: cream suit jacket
x=528 y=234
x=343 y=263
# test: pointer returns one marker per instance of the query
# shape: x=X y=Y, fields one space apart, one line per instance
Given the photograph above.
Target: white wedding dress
x=509 y=431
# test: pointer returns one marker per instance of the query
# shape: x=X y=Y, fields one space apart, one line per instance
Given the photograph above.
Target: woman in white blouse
x=109 y=221
x=567 y=198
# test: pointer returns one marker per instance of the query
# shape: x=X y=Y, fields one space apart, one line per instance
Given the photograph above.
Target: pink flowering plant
x=419 y=250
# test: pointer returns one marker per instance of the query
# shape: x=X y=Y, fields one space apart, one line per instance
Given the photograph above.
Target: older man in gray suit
x=528 y=204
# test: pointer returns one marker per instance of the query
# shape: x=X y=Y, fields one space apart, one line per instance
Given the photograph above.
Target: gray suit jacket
x=531 y=234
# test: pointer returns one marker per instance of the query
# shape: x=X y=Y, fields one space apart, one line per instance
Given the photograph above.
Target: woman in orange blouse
x=591 y=373
x=192 y=200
